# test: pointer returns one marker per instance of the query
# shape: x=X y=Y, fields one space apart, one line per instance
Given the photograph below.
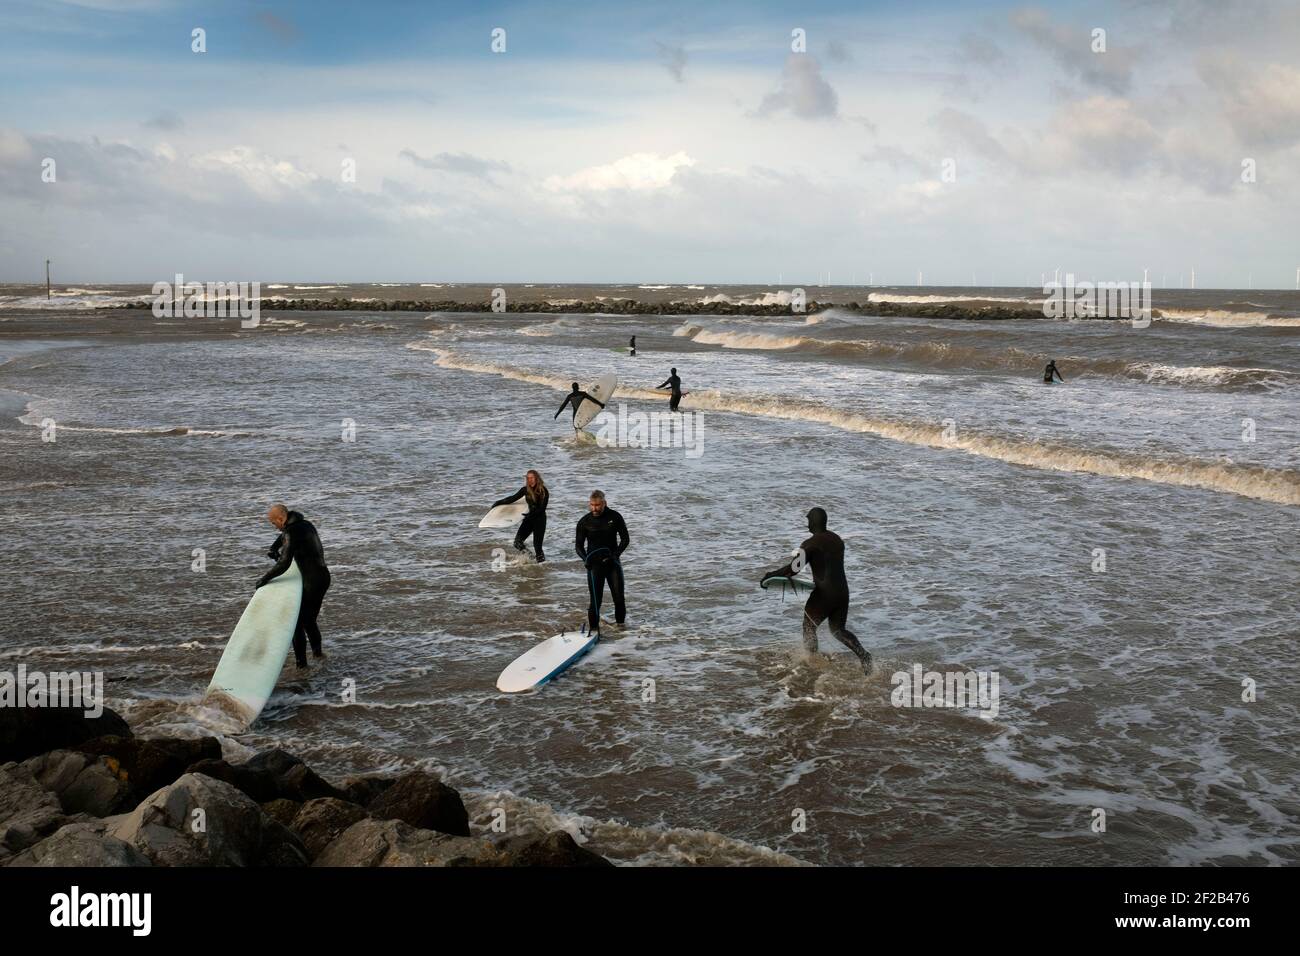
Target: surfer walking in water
x=829 y=601
x=534 y=523
x=602 y=537
x=575 y=398
x=631 y=346
x=675 y=384
x=298 y=541
x=1050 y=371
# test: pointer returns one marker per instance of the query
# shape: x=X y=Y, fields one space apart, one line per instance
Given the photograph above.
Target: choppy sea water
x=973 y=500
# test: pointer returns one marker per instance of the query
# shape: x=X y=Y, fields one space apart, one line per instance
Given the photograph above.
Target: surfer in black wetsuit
x=829 y=601
x=631 y=346
x=299 y=542
x=575 y=398
x=534 y=522
x=1050 y=371
x=602 y=537
x=675 y=384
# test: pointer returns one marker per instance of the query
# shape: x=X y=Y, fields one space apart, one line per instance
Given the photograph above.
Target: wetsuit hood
x=817 y=520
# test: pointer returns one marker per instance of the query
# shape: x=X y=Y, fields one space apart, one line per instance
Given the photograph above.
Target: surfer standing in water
x=534 y=522
x=299 y=542
x=1050 y=371
x=631 y=346
x=829 y=601
x=576 y=398
x=602 y=537
x=675 y=384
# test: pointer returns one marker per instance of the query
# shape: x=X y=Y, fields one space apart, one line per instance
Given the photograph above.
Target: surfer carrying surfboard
x=575 y=398
x=823 y=553
x=675 y=384
x=602 y=537
x=299 y=542
x=1050 y=371
x=631 y=346
x=534 y=523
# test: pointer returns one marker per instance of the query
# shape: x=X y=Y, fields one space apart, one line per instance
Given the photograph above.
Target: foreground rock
x=112 y=799
x=30 y=731
x=201 y=821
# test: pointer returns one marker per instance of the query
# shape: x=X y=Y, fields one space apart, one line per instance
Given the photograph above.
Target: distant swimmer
x=675 y=384
x=631 y=346
x=1050 y=371
x=602 y=537
x=575 y=398
x=299 y=542
x=829 y=601
x=534 y=523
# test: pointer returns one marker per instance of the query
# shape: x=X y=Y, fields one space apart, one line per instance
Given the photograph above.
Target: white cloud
x=637 y=172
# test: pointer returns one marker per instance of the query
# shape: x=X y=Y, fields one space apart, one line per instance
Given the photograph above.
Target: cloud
x=839 y=52
x=674 y=60
x=804 y=91
x=979 y=50
x=282 y=29
x=1072 y=48
x=1260 y=102
x=899 y=159
x=166 y=120
x=640 y=171
x=461 y=163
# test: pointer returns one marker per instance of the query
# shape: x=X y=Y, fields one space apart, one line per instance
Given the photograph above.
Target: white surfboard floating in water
x=602 y=391
x=534 y=668
x=503 y=516
x=254 y=656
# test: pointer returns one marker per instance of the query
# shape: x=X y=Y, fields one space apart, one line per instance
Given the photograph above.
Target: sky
x=786 y=143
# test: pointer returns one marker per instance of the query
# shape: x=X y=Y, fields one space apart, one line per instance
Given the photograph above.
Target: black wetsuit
x=300 y=542
x=1050 y=371
x=534 y=522
x=631 y=346
x=675 y=383
x=601 y=539
x=829 y=600
x=576 y=398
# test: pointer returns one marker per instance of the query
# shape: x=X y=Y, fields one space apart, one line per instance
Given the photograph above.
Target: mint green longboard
x=254 y=656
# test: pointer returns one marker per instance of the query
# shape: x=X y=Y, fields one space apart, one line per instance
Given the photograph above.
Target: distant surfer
x=299 y=542
x=1050 y=371
x=631 y=346
x=829 y=601
x=675 y=384
x=534 y=523
x=602 y=537
x=576 y=398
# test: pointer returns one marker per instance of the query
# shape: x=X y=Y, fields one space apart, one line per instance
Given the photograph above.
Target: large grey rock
x=28 y=731
x=423 y=801
x=321 y=821
x=394 y=843
x=28 y=812
x=270 y=775
x=231 y=829
x=83 y=783
x=82 y=845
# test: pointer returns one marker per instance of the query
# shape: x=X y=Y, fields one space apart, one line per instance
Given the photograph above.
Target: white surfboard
x=255 y=653
x=505 y=516
x=535 y=667
x=602 y=390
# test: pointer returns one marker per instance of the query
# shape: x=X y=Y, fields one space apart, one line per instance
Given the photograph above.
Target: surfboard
x=255 y=653
x=504 y=516
x=534 y=668
x=796 y=585
x=602 y=390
